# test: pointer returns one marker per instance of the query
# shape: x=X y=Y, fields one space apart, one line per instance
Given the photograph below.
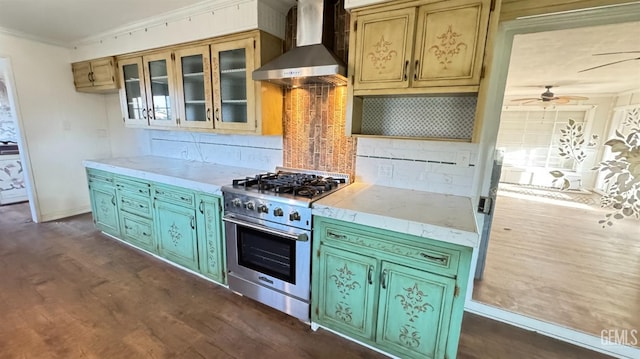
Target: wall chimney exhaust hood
x=311 y=62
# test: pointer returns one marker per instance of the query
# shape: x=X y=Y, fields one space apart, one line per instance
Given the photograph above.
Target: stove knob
x=236 y=202
x=278 y=212
x=263 y=209
x=250 y=205
x=294 y=216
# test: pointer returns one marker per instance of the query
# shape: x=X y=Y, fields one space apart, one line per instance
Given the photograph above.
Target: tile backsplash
x=259 y=152
x=441 y=167
x=314 y=136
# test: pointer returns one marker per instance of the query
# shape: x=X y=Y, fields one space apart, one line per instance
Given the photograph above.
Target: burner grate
x=298 y=184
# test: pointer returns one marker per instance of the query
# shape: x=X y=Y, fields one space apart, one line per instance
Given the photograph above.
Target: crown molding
x=164 y=18
x=26 y=36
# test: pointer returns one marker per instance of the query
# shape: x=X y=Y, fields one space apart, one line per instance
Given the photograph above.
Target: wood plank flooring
x=557 y=264
x=67 y=291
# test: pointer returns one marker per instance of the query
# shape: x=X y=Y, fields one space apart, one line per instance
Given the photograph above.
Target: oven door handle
x=302 y=237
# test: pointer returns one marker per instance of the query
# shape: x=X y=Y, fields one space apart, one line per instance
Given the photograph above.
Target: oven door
x=268 y=254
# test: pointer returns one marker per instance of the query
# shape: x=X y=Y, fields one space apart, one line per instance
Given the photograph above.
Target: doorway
x=527 y=193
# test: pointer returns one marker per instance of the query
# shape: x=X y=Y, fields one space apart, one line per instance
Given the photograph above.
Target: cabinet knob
x=263 y=209
x=294 y=216
x=278 y=212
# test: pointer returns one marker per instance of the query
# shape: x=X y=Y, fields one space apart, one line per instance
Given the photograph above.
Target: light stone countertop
x=198 y=176
x=442 y=217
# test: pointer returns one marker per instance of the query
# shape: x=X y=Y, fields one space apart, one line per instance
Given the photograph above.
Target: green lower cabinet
x=210 y=241
x=138 y=231
x=105 y=209
x=176 y=233
x=348 y=288
x=413 y=316
x=399 y=293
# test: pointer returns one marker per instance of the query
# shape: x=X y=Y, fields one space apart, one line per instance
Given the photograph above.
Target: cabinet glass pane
x=193 y=85
x=135 y=104
x=160 y=90
x=233 y=85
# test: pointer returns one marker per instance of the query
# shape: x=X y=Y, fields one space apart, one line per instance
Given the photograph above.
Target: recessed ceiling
x=66 y=22
x=555 y=57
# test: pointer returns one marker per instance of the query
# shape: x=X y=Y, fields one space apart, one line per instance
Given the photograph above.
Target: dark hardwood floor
x=67 y=291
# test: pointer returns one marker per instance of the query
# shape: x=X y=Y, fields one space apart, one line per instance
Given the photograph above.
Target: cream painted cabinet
x=133 y=97
x=195 y=109
x=242 y=105
x=384 y=49
x=205 y=85
x=160 y=89
x=95 y=76
x=429 y=48
x=450 y=41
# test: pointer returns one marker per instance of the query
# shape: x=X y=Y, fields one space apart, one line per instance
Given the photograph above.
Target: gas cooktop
x=303 y=186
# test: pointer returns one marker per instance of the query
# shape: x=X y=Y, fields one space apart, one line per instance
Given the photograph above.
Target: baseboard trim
x=555 y=331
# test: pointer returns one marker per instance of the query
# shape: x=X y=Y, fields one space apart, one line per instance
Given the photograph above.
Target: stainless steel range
x=268 y=235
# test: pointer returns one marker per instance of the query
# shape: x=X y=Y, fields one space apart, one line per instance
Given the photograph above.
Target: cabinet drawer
x=140 y=188
x=175 y=195
x=422 y=255
x=134 y=203
x=99 y=177
x=138 y=231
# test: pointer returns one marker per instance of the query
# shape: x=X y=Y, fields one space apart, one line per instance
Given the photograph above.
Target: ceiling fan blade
x=615 y=53
x=525 y=99
x=532 y=101
x=575 y=98
x=560 y=100
x=610 y=63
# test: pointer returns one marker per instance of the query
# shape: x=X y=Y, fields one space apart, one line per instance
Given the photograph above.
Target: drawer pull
x=404 y=73
x=383 y=280
x=336 y=236
x=193 y=224
x=145 y=234
x=442 y=260
x=113 y=200
x=142 y=191
x=201 y=206
x=370 y=275
x=160 y=193
x=417 y=70
x=186 y=199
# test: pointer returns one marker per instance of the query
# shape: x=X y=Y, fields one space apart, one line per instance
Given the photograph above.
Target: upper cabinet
x=419 y=47
x=204 y=86
x=160 y=89
x=241 y=105
x=193 y=71
x=95 y=76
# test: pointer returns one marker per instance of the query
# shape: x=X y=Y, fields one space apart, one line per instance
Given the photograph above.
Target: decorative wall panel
x=443 y=117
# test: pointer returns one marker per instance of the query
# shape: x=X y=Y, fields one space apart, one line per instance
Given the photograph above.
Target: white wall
x=434 y=166
x=60 y=127
x=215 y=19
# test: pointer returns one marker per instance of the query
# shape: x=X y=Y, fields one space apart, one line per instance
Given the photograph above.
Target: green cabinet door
x=414 y=313
x=347 y=293
x=105 y=210
x=176 y=234
x=210 y=241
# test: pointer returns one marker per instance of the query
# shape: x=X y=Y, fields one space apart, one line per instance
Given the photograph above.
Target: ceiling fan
x=548 y=97
x=614 y=62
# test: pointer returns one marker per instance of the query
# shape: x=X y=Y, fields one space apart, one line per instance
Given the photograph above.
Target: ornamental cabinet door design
x=194 y=87
x=160 y=89
x=384 y=44
x=133 y=98
x=414 y=313
x=210 y=243
x=347 y=294
x=105 y=209
x=176 y=234
x=233 y=89
x=450 y=41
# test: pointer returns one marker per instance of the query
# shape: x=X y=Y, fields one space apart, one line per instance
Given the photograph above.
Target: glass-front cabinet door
x=233 y=88
x=132 y=92
x=194 y=87
x=159 y=79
